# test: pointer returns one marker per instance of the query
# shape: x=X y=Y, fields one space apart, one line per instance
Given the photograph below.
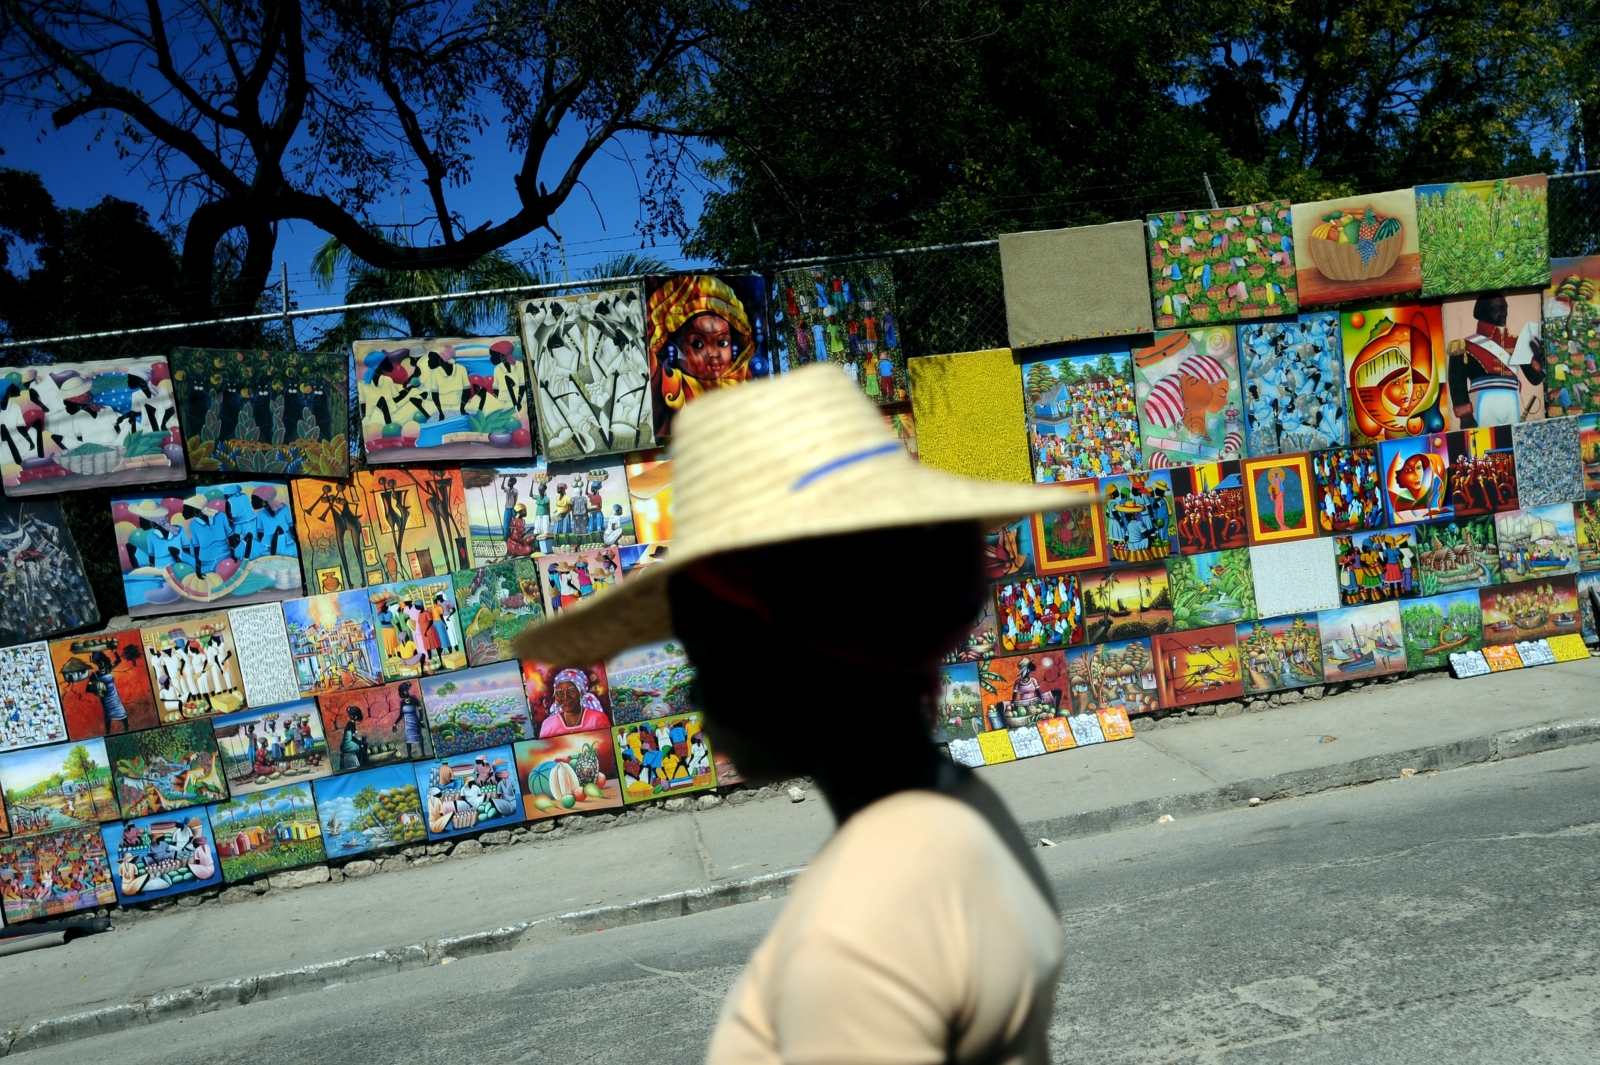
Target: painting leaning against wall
x=264 y=411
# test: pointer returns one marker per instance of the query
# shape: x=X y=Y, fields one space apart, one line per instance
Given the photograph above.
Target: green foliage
x=1472 y=242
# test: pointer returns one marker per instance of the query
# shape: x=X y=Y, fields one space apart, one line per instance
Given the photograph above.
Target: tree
x=227 y=808
x=79 y=765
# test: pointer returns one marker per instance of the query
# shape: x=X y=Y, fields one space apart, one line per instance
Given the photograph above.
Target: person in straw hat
x=924 y=930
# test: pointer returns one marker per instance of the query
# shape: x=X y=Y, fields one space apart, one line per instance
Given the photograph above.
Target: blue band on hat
x=840 y=463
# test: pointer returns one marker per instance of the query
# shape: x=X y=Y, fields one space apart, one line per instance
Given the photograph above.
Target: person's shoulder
x=918 y=825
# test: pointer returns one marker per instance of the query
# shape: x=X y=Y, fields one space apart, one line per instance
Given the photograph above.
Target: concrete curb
x=207 y=998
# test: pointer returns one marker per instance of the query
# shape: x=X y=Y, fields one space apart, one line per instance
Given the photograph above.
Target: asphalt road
x=1441 y=918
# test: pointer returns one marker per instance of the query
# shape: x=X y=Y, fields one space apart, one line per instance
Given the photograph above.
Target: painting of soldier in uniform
x=264 y=412
x=705 y=332
x=103 y=683
x=43 y=588
x=591 y=373
x=54 y=874
x=1494 y=360
x=444 y=399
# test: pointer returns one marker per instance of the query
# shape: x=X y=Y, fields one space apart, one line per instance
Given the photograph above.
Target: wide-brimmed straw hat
x=800 y=455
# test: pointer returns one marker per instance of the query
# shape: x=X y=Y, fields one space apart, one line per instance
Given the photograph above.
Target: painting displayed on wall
x=960 y=709
x=1279 y=503
x=1008 y=550
x=1357 y=247
x=1530 y=610
x=419 y=628
x=1588 y=604
x=1020 y=692
x=1572 y=337
x=1280 y=653
x=1198 y=666
x=1221 y=265
x=159 y=855
x=329 y=518
x=845 y=313
x=1477 y=235
x=1483 y=470
x=476 y=708
x=43 y=587
x=1349 y=498
x=415 y=523
x=1126 y=603
x=375 y=726
x=1537 y=542
x=1108 y=684
x=370 y=810
x=165 y=769
x=1439 y=626
x=1186 y=387
x=1081 y=416
x=650 y=495
x=1210 y=501
x=575 y=772
x=264 y=412
x=54 y=874
x=1415 y=478
x=1039 y=612
x=1589 y=453
x=565 y=700
x=591 y=372
x=1549 y=463
x=334 y=642
x=1457 y=554
x=1377 y=566
x=705 y=332
x=226 y=544
x=266 y=668
x=443 y=399
x=1394 y=371
x=662 y=757
x=1295 y=578
x=1362 y=641
x=1293 y=374
x=193 y=667
x=67 y=427
x=469 y=792
x=103 y=684
x=50 y=788
x=571 y=577
x=1140 y=523
x=30 y=707
x=650 y=681
x=1071 y=539
x=1214 y=588
x=497 y=603
x=1495 y=366
x=272 y=830
x=1587 y=516
x=981 y=639
x=267 y=748
x=518 y=512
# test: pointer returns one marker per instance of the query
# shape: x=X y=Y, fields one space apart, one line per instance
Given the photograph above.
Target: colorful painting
x=1357 y=247
x=1140 y=523
x=51 y=788
x=1186 y=386
x=517 y=512
x=270 y=831
x=71 y=426
x=1572 y=337
x=635 y=557
x=227 y=544
x=498 y=603
x=1280 y=653
x=1377 y=566
x=266 y=667
x=415 y=523
x=1039 y=612
x=1293 y=372
x=30 y=707
x=1126 y=603
x=162 y=854
x=904 y=424
x=1008 y=550
x=1214 y=588
x=1530 y=610
x=650 y=495
x=1394 y=371
x=845 y=313
x=1081 y=417
x=1108 y=684
x=469 y=792
x=591 y=372
x=649 y=682
x=1589 y=453
x=981 y=639
x=579 y=575
x=334 y=642
x=43 y=588
x=1210 y=502
x=1483 y=471
x=1495 y=366
x=264 y=412
x=1071 y=539
x=1221 y=265
x=565 y=700
x=476 y=708
x=331 y=525
x=705 y=332
x=419 y=628
x=1457 y=554
x=662 y=757
x=960 y=709
x=442 y=399
x=1349 y=498
x=375 y=726
x=1362 y=641
x=370 y=810
x=1537 y=542
x=267 y=748
x=1415 y=478
x=1549 y=461
x=1587 y=516
x=1439 y=626
x=1020 y=692
x=103 y=684
x=1199 y=666
x=1477 y=235
x=574 y=772
x=1279 y=504
x=165 y=769
x=193 y=667
x=1588 y=604
x=54 y=875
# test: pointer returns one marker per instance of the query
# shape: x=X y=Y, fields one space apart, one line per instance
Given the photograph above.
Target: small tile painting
x=1279 y=504
x=1349 y=496
x=1362 y=641
x=1280 y=653
x=1569 y=648
x=270 y=831
x=103 y=684
x=996 y=749
x=469 y=792
x=1535 y=653
x=1467 y=664
x=370 y=810
x=1537 y=542
x=662 y=757
x=575 y=772
x=1198 y=666
x=1439 y=626
x=375 y=726
x=54 y=874
x=1502 y=659
x=162 y=854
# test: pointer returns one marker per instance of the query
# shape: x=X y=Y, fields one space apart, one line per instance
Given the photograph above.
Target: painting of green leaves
x=283 y=412
x=1212 y=588
x=1480 y=235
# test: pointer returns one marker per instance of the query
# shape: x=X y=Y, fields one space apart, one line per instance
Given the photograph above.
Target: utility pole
x=1209 y=194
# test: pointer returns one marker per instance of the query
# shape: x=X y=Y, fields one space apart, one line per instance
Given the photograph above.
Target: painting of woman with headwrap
x=705 y=332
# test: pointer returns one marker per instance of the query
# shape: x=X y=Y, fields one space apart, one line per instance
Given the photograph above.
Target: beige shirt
x=915 y=938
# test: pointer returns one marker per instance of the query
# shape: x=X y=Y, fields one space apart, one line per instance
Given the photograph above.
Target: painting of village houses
x=50 y=788
x=267 y=831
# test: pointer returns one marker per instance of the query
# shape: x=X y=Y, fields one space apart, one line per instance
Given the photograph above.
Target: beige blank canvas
x=1073 y=284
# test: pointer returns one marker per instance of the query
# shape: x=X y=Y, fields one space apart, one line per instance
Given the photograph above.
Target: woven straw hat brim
x=799 y=456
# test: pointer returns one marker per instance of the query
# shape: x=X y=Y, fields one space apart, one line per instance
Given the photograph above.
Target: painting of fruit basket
x=1357 y=247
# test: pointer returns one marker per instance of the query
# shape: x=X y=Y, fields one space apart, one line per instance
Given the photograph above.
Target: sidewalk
x=195 y=959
